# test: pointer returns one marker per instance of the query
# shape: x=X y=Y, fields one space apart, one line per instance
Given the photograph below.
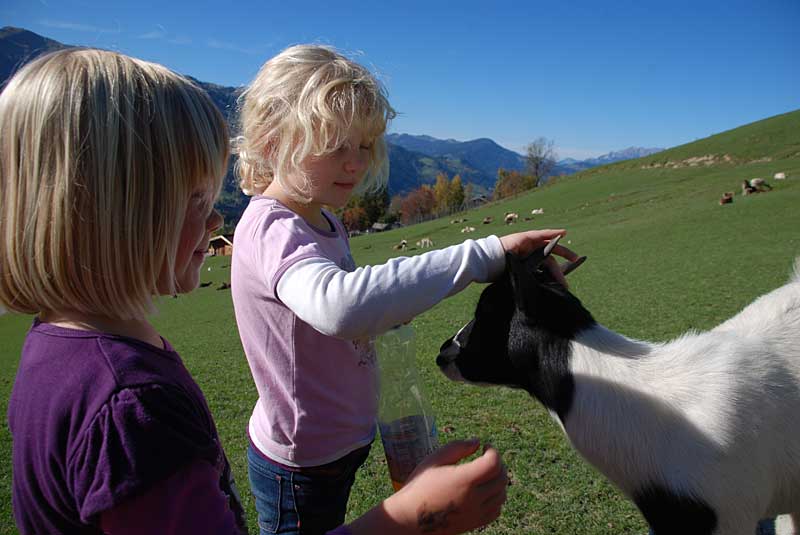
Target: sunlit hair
x=100 y=154
x=304 y=102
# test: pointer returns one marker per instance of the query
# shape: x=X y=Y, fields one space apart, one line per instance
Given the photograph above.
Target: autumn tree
x=418 y=205
x=455 y=195
x=355 y=218
x=540 y=159
x=441 y=192
x=375 y=204
x=510 y=183
x=361 y=211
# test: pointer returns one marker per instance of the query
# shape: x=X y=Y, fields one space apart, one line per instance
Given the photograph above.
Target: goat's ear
x=523 y=282
x=515 y=264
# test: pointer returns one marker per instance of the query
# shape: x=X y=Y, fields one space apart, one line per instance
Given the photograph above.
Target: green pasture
x=664 y=257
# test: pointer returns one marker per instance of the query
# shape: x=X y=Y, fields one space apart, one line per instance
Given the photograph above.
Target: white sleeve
x=372 y=299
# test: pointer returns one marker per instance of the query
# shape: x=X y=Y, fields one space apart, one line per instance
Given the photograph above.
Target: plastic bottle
x=405 y=419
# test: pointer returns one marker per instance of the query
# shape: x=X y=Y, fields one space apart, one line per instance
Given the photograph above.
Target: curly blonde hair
x=99 y=157
x=305 y=102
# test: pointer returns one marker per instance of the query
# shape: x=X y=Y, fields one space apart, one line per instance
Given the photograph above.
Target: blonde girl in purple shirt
x=312 y=134
x=109 y=171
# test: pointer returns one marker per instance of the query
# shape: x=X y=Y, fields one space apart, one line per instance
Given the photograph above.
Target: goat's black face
x=520 y=320
x=461 y=357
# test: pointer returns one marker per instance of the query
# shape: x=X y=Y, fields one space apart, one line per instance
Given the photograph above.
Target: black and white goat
x=702 y=433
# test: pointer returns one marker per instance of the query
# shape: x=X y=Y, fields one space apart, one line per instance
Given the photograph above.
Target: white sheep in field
x=701 y=433
x=780 y=176
x=467 y=229
x=759 y=184
x=537 y=211
x=511 y=218
x=424 y=243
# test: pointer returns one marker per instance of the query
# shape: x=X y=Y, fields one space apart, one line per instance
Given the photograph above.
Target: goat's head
x=521 y=320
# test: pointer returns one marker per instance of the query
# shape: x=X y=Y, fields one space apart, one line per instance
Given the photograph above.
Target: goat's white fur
x=713 y=414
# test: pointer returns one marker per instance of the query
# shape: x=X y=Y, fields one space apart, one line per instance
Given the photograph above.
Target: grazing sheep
x=467 y=229
x=537 y=211
x=488 y=219
x=727 y=198
x=779 y=176
x=511 y=218
x=425 y=242
x=700 y=433
x=759 y=184
x=747 y=189
x=400 y=246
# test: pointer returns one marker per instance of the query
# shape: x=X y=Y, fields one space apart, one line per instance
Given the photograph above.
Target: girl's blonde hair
x=304 y=102
x=99 y=156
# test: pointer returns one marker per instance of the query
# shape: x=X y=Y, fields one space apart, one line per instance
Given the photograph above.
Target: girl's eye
x=201 y=201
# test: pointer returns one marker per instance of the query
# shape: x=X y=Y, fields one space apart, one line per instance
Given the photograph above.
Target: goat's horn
x=571 y=266
x=549 y=247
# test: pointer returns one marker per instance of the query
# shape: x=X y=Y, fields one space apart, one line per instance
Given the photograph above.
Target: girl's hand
x=441 y=497
x=524 y=243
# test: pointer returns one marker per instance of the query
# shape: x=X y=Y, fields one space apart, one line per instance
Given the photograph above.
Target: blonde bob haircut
x=99 y=157
x=305 y=102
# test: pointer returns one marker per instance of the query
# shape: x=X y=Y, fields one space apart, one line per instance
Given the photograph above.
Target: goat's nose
x=462 y=336
x=448 y=353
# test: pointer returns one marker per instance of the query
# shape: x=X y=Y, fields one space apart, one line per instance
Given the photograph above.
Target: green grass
x=664 y=257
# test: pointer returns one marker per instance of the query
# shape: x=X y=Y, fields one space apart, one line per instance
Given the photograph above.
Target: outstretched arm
x=442 y=497
x=372 y=299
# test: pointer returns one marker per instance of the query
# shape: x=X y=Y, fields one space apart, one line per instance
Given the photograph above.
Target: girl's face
x=334 y=176
x=200 y=222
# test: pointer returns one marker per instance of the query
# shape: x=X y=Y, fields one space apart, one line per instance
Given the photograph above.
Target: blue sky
x=592 y=76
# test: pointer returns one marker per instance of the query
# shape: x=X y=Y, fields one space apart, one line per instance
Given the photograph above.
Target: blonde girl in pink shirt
x=312 y=134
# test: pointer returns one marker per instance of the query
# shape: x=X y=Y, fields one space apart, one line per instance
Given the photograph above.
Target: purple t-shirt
x=97 y=419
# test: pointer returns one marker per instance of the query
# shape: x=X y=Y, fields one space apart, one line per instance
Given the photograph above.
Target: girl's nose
x=214 y=221
x=357 y=162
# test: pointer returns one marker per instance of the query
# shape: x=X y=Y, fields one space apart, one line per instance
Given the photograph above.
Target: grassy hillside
x=664 y=257
x=770 y=140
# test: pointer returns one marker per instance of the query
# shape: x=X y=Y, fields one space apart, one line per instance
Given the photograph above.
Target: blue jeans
x=303 y=501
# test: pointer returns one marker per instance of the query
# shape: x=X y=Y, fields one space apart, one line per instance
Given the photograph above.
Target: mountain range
x=414 y=159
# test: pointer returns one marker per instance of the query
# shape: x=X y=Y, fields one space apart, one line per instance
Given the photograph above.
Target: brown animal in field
x=727 y=198
x=511 y=218
x=400 y=246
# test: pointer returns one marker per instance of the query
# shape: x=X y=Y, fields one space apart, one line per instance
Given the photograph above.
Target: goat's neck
x=602 y=354
x=601 y=342
x=616 y=399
